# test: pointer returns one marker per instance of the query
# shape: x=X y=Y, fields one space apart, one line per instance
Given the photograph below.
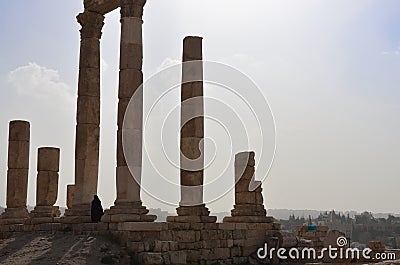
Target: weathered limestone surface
x=128 y=205
x=198 y=243
x=17 y=174
x=191 y=207
x=88 y=118
x=46 y=187
x=249 y=205
x=70 y=195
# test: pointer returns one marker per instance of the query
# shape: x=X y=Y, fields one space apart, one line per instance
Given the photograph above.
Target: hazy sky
x=329 y=69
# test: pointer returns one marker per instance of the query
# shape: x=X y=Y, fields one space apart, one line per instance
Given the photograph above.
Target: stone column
x=191 y=207
x=248 y=206
x=17 y=174
x=128 y=205
x=88 y=118
x=46 y=186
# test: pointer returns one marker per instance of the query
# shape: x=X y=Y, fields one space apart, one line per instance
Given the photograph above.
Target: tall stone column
x=17 y=174
x=88 y=118
x=46 y=186
x=249 y=207
x=191 y=207
x=128 y=205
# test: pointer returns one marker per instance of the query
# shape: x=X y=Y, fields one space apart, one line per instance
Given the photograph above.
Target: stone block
x=209 y=235
x=87 y=142
x=70 y=195
x=46 y=188
x=184 y=236
x=190 y=87
x=17 y=186
x=127 y=154
x=153 y=258
x=245 y=159
x=130 y=82
x=136 y=246
x=226 y=226
x=89 y=82
x=88 y=110
x=18 y=154
x=19 y=131
x=179 y=226
x=244 y=173
x=89 y=53
x=48 y=159
x=193 y=256
x=131 y=30
x=192 y=148
x=192 y=48
x=191 y=195
x=86 y=172
x=132 y=109
x=193 y=128
x=245 y=198
x=133 y=56
x=141 y=226
x=178 y=257
x=128 y=185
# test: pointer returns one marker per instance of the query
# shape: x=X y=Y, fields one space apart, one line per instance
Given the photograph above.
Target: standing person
x=96 y=210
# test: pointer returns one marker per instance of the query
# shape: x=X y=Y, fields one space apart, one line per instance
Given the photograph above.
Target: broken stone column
x=46 y=186
x=191 y=207
x=17 y=174
x=128 y=205
x=88 y=118
x=248 y=206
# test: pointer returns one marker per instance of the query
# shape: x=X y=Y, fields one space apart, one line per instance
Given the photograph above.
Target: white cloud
x=41 y=83
x=168 y=62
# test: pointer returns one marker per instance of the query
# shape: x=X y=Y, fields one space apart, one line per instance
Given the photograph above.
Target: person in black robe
x=96 y=210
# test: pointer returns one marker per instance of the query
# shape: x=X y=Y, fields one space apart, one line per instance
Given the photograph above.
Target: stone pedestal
x=191 y=207
x=88 y=118
x=248 y=206
x=17 y=174
x=46 y=187
x=128 y=205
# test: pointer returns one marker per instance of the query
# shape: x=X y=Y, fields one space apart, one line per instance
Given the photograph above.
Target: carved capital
x=92 y=24
x=132 y=8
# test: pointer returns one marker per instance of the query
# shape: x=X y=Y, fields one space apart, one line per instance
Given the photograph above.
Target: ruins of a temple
x=190 y=237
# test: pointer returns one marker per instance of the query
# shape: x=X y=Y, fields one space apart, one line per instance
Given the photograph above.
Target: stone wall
x=177 y=243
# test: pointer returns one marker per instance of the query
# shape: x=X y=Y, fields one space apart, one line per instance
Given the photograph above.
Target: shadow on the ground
x=58 y=251
x=15 y=245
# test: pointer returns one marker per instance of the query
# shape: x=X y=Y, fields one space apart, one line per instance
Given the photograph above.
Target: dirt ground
x=63 y=249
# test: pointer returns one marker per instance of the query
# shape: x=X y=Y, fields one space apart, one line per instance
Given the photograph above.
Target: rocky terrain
x=62 y=249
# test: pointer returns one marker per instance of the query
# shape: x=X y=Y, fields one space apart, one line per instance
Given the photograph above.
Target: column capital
x=92 y=24
x=132 y=8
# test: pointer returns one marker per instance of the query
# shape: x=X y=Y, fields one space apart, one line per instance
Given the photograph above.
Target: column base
x=127 y=212
x=14 y=216
x=77 y=214
x=248 y=219
x=192 y=214
x=248 y=210
x=45 y=211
